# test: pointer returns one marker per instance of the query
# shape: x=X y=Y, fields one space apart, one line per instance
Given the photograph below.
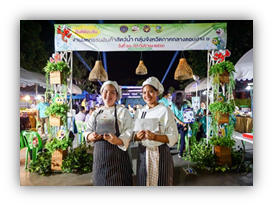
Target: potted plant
x=221 y=111
x=222 y=72
x=58 y=148
x=58 y=71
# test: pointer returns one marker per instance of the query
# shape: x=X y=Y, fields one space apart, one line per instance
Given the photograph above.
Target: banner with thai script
x=140 y=37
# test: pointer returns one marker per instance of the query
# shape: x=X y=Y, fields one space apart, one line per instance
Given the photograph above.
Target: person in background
x=165 y=99
x=129 y=108
x=177 y=108
x=40 y=113
x=33 y=105
x=81 y=114
x=84 y=103
x=202 y=131
x=154 y=161
x=200 y=111
x=89 y=114
x=111 y=160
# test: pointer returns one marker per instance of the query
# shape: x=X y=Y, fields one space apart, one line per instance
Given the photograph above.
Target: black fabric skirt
x=166 y=166
x=111 y=165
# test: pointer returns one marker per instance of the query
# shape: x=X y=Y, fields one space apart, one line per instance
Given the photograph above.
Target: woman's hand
x=140 y=135
x=94 y=137
x=112 y=139
x=150 y=135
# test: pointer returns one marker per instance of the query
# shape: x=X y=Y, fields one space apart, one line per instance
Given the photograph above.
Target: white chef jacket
x=124 y=120
x=167 y=124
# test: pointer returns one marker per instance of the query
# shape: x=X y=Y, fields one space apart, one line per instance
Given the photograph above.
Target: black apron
x=111 y=165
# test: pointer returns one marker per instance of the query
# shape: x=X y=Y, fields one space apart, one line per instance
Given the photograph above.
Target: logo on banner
x=158 y=29
x=123 y=29
x=146 y=28
x=64 y=32
x=135 y=29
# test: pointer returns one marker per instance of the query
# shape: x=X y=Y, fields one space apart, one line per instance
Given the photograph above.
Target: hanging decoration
x=183 y=70
x=141 y=69
x=98 y=73
x=56 y=57
x=220 y=55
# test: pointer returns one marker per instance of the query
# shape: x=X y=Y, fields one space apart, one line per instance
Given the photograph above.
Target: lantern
x=183 y=70
x=98 y=73
x=141 y=69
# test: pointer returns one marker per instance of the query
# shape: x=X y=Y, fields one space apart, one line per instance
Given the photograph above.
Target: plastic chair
x=81 y=126
x=38 y=124
x=27 y=137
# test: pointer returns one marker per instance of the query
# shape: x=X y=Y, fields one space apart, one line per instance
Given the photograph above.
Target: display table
x=237 y=135
x=27 y=118
x=243 y=124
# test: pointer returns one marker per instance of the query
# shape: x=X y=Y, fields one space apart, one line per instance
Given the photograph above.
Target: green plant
x=78 y=160
x=56 y=144
x=42 y=165
x=222 y=141
x=201 y=154
x=221 y=67
x=58 y=110
x=222 y=107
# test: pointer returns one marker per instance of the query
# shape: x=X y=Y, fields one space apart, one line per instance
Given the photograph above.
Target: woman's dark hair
x=179 y=100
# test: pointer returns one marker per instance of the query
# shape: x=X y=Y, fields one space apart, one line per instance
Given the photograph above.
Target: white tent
x=202 y=85
x=28 y=78
x=244 y=67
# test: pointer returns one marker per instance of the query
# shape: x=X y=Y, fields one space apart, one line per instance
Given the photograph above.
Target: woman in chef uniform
x=154 y=161
x=109 y=130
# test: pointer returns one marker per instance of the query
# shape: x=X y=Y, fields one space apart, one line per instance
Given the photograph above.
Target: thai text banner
x=140 y=37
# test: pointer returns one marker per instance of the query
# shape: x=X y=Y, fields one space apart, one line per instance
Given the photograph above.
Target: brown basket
x=55 y=121
x=56 y=77
x=98 y=73
x=223 y=155
x=224 y=119
x=224 y=77
x=141 y=69
x=183 y=70
x=56 y=159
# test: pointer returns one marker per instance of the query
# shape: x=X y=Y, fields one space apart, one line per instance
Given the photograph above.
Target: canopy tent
x=244 y=67
x=29 y=79
x=202 y=85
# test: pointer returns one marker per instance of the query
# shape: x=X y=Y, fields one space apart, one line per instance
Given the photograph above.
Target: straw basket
x=183 y=70
x=224 y=77
x=56 y=77
x=98 y=73
x=141 y=69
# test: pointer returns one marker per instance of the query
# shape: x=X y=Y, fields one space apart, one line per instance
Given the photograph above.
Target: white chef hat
x=153 y=81
x=113 y=83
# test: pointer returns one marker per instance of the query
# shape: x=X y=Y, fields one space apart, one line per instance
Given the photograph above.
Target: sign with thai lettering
x=140 y=37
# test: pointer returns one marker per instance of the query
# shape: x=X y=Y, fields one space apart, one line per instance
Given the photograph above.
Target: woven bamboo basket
x=98 y=73
x=141 y=69
x=183 y=70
